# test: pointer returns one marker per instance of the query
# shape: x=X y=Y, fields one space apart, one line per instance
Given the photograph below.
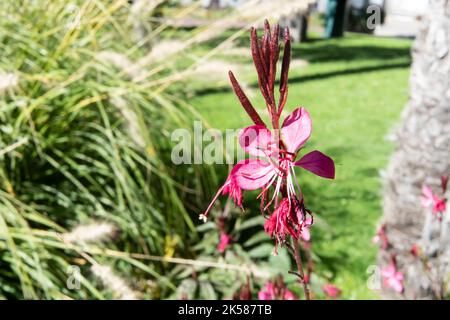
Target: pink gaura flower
x=268 y=293
x=273 y=292
x=430 y=199
x=331 y=290
x=392 y=278
x=274 y=152
x=224 y=241
x=274 y=166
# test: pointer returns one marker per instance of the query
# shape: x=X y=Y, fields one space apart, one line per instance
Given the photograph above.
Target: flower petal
x=251 y=174
x=389 y=271
x=396 y=285
x=427 y=192
x=296 y=129
x=255 y=140
x=306 y=234
x=317 y=163
x=425 y=202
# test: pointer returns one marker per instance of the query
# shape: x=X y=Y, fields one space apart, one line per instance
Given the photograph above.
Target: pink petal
x=396 y=285
x=296 y=129
x=251 y=174
x=306 y=234
x=255 y=140
x=317 y=163
x=268 y=293
x=308 y=222
x=388 y=271
x=427 y=192
x=224 y=241
x=425 y=202
x=262 y=295
x=438 y=204
x=399 y=276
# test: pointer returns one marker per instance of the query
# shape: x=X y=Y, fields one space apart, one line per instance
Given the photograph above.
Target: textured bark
x=422 y=155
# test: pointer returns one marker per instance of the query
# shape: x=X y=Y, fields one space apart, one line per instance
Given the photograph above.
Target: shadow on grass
x=335 y=52
x=345 y=72
x=319 y=76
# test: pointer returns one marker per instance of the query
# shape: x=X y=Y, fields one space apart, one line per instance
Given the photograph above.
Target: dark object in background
x=298 y=26
x=334 y=19
x=297 y=22
x=214 y=4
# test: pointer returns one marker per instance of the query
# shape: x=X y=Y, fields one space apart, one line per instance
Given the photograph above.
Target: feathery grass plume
x=161 y=50
x=120 y=61
x=8 y=81
x=140 y=10
x=113 y=282
x=94 y=232
x=132 y=121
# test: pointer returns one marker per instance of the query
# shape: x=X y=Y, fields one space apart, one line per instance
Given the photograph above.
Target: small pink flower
x=392 y=278
x=268 y=293
x=224 y=241
x=331 y=290
x=431 y=199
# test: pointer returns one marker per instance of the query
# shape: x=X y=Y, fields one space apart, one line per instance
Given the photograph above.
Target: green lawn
x=355 y=89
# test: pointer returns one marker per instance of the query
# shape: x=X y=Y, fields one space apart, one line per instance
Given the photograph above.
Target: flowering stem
x=298 y=261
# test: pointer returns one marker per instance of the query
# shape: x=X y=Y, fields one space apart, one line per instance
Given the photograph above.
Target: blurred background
x=91 y=205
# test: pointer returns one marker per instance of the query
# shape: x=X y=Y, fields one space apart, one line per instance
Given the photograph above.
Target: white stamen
x=296 y=181
x=269 y=184
x=275 y=194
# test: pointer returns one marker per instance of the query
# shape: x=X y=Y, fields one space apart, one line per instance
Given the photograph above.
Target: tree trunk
x=422 y=156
